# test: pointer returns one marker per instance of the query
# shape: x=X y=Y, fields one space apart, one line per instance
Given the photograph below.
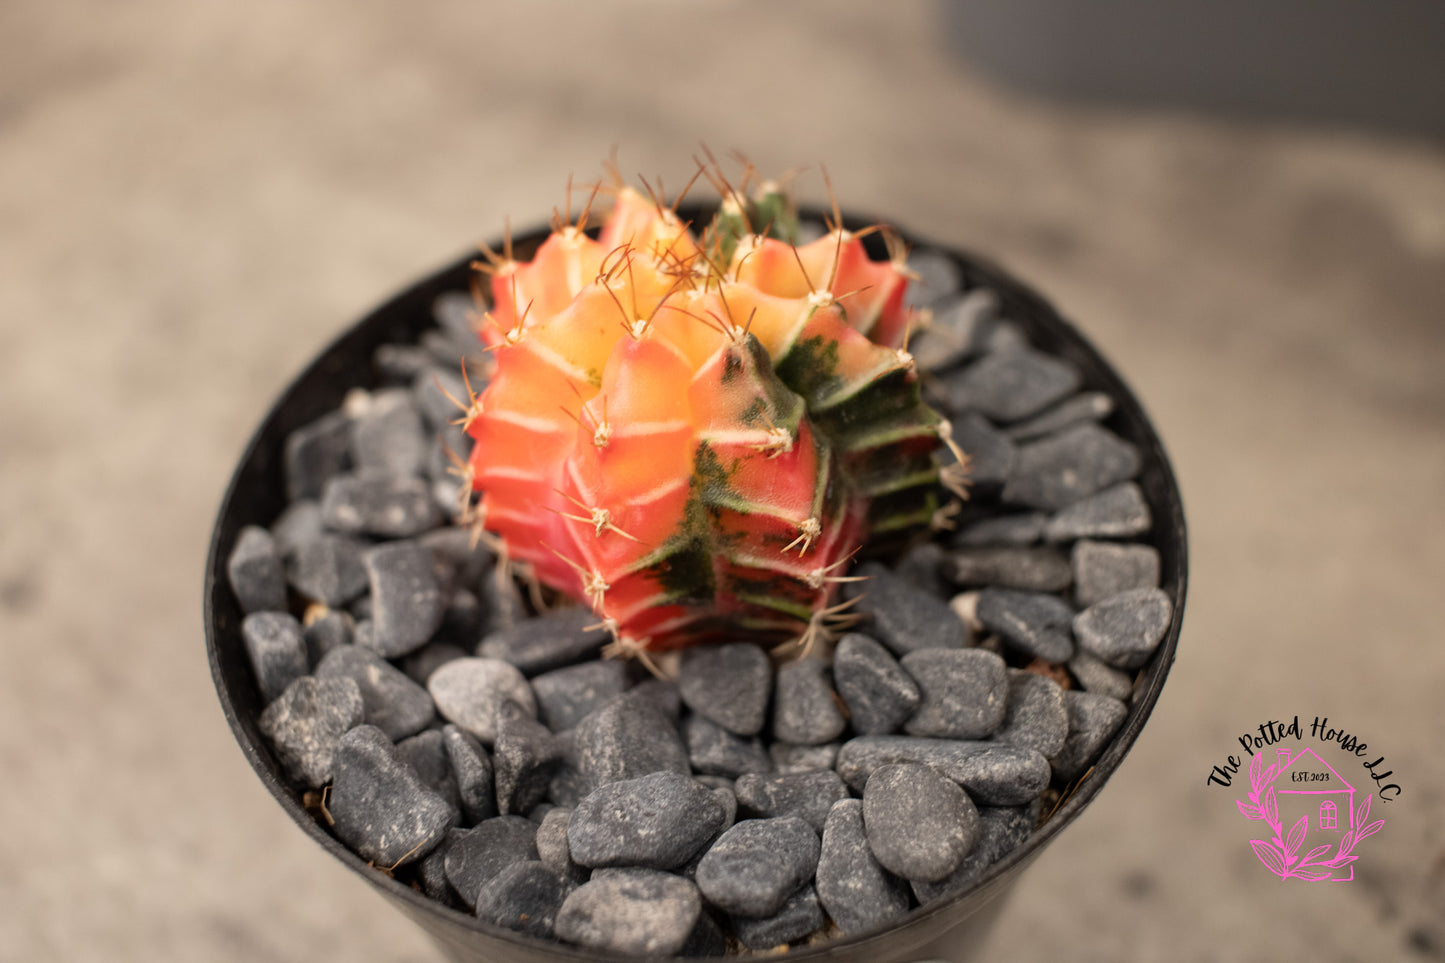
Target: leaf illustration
x=1250 y=812
x=1271 y=807
x=1347 y=842
x=1266 y=852
x=1369 y=830
x=1362 y=812
x=1313 y=875
x=1339 y=861
x=1256 y=773
x=1269 y=773
x=1315 y=853
x=1295 y=838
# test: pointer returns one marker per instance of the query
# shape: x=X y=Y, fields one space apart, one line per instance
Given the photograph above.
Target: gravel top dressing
x=451 y=732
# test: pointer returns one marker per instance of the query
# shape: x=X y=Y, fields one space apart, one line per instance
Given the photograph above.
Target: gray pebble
x=306 y=722
x=959 y=329
x=315 y=452
x=391 y=702
x=805 y=708
x=568 y=786
x=380 y=807
x=472 y=769
x=756 y=865
x=1085 y=406
x=553 y=849
x=1006 y=336
x=524 y=759
x=729 y=684
x=299 y=522
x=458 y=317
x=714 y=751
x=1102 y=569
x=400 y=363
x=430 y=388
x=635 y=912
x=627 y=738
x=662 y=693
x=476 y=856
x=920 y=825
x=276 y=649
x=327 y=568
x=419 y=665
x=1093 y=720
x=1001 y=830
x=1061 y=469
x=657 y=821
x=965 y=692
x=1017 y=567
x=1036 y=718
x=1031 y=622
x=330 y=631
x=565 y=696
x=880 y=696
x=788 y=758
x=1023 y=528
x=255 y=573
x=466 y=565
x=386 y=506
x=388 y=436
x=524 y=897
x=426 y=753
x=706 y=939
x=991 y=455
x=502 y=602
x=469 y=692
x=807 y=795
x=800 y=916
x=1119 y=511
x=559 y=638
x=1125 y=629
x=938 y=278
x=1096 y=675
x=407 y=604
x=1010 y=385
x=922 y=565
x=858 y=893
x=430 y=872
x=991 y=774
x=904 y=616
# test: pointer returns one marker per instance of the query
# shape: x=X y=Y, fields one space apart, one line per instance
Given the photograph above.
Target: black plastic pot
x=951 y=930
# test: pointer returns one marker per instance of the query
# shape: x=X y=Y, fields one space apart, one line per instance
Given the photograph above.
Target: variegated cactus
x=695 y=436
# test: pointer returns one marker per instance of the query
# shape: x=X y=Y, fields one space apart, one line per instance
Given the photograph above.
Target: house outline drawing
x=1331 y=811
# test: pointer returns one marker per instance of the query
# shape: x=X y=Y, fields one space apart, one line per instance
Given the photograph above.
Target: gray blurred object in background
x=1379 y=64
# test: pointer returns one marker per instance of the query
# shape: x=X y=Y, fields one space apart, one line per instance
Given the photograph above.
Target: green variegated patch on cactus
x=695 y=437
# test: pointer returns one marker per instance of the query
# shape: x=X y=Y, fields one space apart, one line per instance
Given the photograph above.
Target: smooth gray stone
x=1001 y=830
x=800 y=916
x=467 y=566
x=905 y=617
x=525 y=897
x=1034 y=623
x=430 y=872
x=385 y=506
x=1036 y=718
x=922 y=565
x=505 y=610
x=1085 y=406
x=1023 y=528
x=807 y=795
x=1118 y=511
x=1006 y=336
x=307 y=721
x=964 y=692
x=276 y=649
x=379 y=806
x=254 y=570
x=430 y=388
x=788 y=758
x=715 y=751
x=524 y=758
x=554 y=850
x=472 y=769
x=1093 y=720
x=879 y=695
x=299 y=522
x=568 y=786
x=1125 y=629
x=330 y=631
x=400 y=363
x=565 y=696
x=920 y=825
x=991 y=455
x=958 y=332
x=756 y=865
x=419 y=665
x=637 y=912
x=458 y=317
x=407 y=603
x=1061 y=469
x=662 y=693
x=477 y=855
x=329 y=569
x=706 y=939
x=392 y=702
x=315 y=452
x=991 y=774
x=729 y=684
x=858 y=893
x=1102 y=569
x=469 y=692
x=805 y=708
x=1096 y=675
x=426 y=753
x=557 y=639
x=1032 y=569
x=1009 y=386
x=938 y=278
x=657 y=821
x=388 y=436
x=627 y=738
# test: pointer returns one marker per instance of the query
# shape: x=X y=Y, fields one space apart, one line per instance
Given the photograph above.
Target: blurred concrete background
x=195 y=197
